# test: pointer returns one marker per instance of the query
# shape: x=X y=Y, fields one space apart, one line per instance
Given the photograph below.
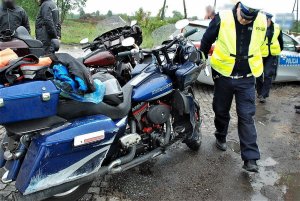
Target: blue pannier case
x=26 y=101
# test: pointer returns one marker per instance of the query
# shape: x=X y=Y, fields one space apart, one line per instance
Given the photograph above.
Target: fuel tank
x=152 y=86
x=100 y=59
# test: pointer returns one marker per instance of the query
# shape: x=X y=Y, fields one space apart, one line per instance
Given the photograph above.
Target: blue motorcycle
x=58 y=158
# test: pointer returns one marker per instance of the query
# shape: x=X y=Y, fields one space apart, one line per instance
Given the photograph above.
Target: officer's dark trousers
x=244 y=92
x=264 y=82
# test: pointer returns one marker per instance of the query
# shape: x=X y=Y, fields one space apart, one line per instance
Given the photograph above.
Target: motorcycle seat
x=23 y=34
x=24 y=127
x=70 y=109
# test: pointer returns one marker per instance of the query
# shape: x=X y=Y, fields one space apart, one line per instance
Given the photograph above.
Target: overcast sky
x=194 y=7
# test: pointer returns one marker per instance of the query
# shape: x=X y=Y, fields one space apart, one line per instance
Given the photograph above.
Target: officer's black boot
x=250 y=166
x=262 y=99
x=221 y=145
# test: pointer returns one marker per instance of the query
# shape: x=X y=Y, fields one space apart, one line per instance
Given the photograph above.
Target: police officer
x=236 y=61
x=12 y=17
x=47 y=23
x=270 y=51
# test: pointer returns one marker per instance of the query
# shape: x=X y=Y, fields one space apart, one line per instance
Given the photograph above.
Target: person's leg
x=245 y=106
x=223 y=96
x=270 y=66
x=259 y=85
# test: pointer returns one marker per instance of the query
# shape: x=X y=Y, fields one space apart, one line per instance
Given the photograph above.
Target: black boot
x=250 y=166
x=221 y=145
x=262 y=99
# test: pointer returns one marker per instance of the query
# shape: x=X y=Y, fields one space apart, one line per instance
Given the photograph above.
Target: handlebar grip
x=189 y=33
x=124 y=54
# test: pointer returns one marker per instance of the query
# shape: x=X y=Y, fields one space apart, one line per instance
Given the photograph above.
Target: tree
x=66 y=6
x=81 y=13
x=31 y=7
x=177 y=15
x=163 y=10
x=109 y=13
x=184 y=7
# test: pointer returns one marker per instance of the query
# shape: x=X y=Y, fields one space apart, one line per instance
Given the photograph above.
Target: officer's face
x=241 y=19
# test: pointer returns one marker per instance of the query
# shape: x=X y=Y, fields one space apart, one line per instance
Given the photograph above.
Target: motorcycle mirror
x=84 y=41
x=181 y=24
x=133 y=22
x=127 y=42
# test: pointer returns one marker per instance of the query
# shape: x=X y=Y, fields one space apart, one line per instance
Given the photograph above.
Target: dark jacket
x=47 y=25
x=270 y=33
x=13 y=18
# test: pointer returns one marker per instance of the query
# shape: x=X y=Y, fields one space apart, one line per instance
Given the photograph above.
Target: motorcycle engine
x=151 y=119
x=158 y=114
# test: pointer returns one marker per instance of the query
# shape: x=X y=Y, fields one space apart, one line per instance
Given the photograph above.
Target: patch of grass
x=73 y=31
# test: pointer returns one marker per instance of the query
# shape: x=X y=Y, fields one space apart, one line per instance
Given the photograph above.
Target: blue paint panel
x=54 y=152
x=289 y=60
x=153 y=86
x=138 y=69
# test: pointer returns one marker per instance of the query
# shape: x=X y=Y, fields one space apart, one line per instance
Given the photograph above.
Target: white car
x=289 y=60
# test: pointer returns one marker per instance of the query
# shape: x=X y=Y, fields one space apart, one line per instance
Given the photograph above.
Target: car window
x=289 y=43
x=195 y=37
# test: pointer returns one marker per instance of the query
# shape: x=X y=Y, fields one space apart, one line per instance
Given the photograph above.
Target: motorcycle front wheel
x=73 y=194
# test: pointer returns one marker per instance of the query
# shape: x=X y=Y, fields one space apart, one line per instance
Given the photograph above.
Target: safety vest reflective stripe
x=225 y=54
x=274 y=46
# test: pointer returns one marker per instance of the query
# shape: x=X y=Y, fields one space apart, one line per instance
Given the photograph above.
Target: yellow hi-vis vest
x=274 y=45
x=224 y=55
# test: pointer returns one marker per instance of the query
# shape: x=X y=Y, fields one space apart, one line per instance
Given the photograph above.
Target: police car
x=289 y=60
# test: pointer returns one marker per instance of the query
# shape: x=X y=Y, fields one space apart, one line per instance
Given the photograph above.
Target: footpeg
x=130 y=140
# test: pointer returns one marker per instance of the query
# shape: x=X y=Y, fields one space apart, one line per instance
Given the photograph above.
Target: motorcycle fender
x=67 y=154
x=181 y=102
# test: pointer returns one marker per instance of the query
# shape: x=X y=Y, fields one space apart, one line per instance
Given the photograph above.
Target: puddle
x=268 y=162
x=291 y=184
x=265 y=177
x=234 y=146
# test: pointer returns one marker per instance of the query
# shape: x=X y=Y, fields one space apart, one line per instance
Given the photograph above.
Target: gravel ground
x=214 y=175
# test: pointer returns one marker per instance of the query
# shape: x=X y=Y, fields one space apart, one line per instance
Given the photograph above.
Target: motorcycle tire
x=195 y=145
x=76 y=194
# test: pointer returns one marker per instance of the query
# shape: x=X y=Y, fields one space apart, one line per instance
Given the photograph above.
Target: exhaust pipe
x=137 y=161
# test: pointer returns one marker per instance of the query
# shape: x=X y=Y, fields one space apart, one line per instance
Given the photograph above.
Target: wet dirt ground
x=214 y=175
x=211 y=174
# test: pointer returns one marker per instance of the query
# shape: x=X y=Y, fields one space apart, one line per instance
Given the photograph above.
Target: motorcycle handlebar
x=191 y=32
x=132 y=52
x=124 y=54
